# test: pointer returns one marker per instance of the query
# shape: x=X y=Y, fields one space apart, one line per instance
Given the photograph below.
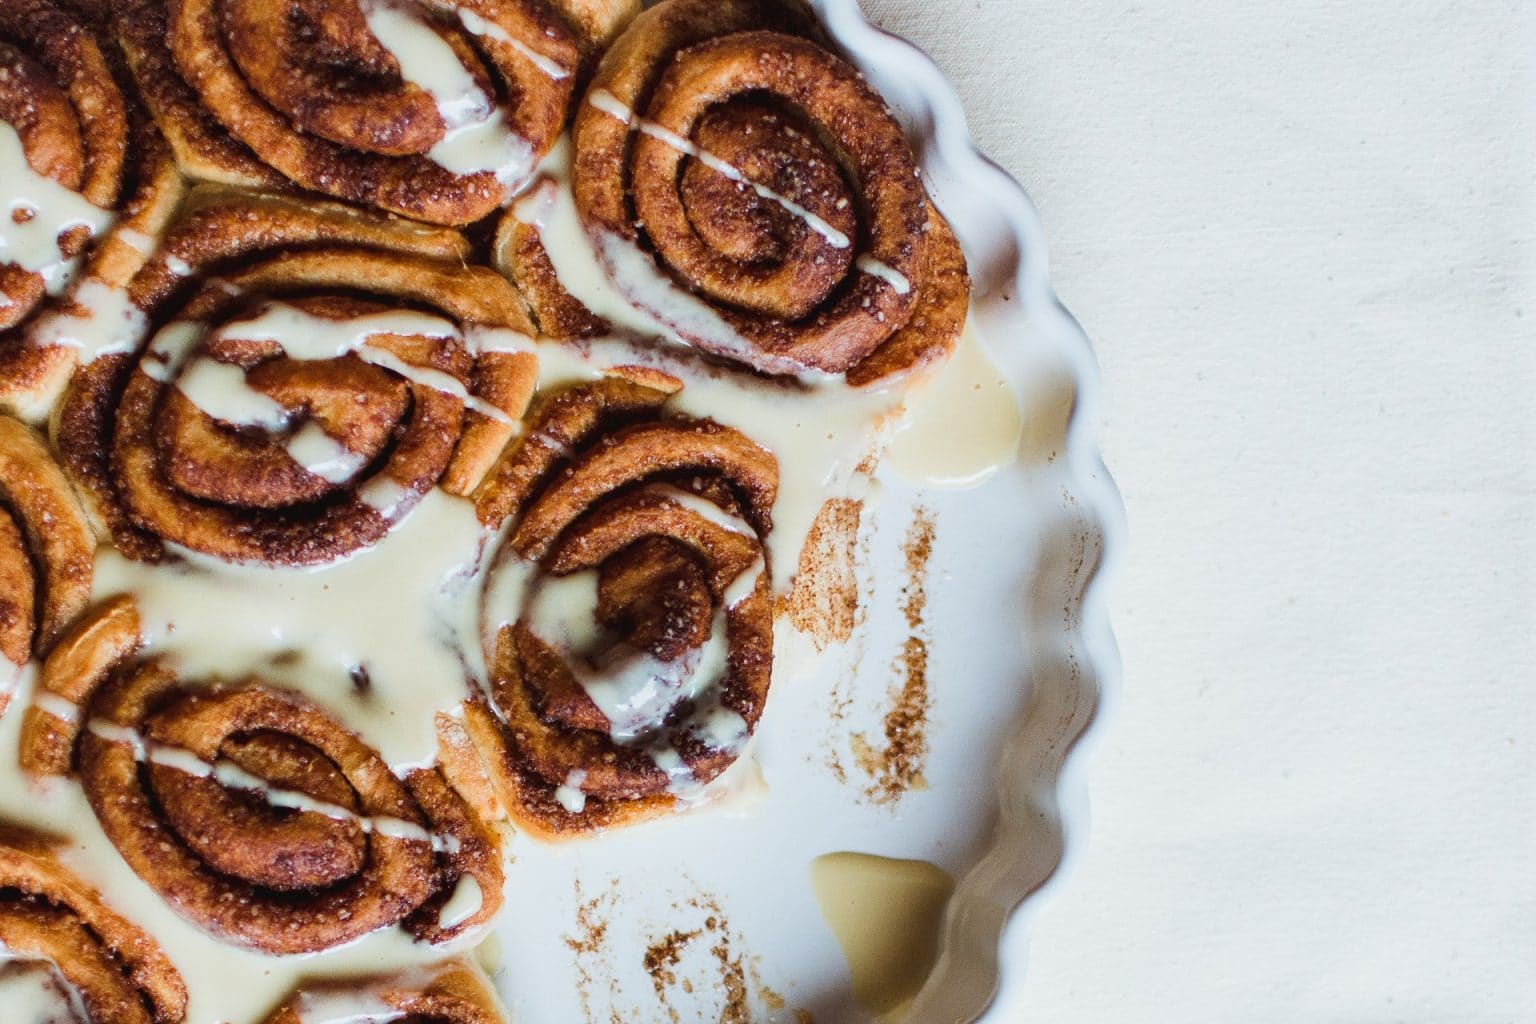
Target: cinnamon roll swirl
x=254 y=813
x=628 y=620
x=51 y=920
x=450 y=993
x=46 y=551
x=312 y=370
x=750 y=191
x=85 y=184
x=435 y=109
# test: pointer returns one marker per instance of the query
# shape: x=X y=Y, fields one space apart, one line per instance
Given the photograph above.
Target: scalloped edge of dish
x=1042 y=795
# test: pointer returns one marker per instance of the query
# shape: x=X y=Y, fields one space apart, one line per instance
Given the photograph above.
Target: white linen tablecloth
x=1301 y=238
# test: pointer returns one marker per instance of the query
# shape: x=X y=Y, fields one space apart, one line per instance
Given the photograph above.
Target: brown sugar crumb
x=590 y=946
x=695 y=961
x=823 y=603
x=719 y=970
x=896 y=766
x=661 y=957
x=733 y=981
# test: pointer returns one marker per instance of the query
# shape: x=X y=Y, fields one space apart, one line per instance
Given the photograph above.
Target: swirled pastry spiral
x=253 y=812
x=314 y=370
x=748 y=189
x=629 y=620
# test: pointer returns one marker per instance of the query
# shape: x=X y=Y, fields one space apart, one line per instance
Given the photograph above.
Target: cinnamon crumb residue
x=727 y=977
x=661 y=957
x=590 y=946
x=695 y=965
x=824 y=600
x=896 y=766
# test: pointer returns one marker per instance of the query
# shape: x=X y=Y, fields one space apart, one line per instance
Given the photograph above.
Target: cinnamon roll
x=51 y=921
x=435 y=109
x=253 y=812
x=46 y=551
x=311 y=372
x=85 y=184
x=449 y=993
x=628 y=619
x=750 y=191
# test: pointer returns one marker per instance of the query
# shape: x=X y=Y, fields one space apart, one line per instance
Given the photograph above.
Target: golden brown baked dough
x=160 y=468
x=176 y=774
x=46 y=550
x=260 y=92
x=49 y=915
x=519 y=253
x=670 y=513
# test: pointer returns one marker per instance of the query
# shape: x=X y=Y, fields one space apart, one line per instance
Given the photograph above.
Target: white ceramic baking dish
x=712 y=916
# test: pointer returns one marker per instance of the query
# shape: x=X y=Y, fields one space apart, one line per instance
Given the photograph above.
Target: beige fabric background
x=1301 y=238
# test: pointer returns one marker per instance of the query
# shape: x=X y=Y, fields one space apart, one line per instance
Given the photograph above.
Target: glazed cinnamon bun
x=252 y=811
x=628 y=618
x=747 y=189
x=311 y=372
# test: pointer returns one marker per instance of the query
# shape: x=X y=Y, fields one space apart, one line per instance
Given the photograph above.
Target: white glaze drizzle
x=489 y=29
x=222 y=391
x=685 y=314
x=232 y=776
x=477 y=137
x=703 y=508
x=304 y=335
x=107 y=322
x=635 y=690
x=885 y=272
x=363 y=1001
x=57 y=706
x=384 y=495
x=482 y=339
x=47 y=209
x=346 y=1007
x=465 y=902
x=136 y=240
x=569 y=795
